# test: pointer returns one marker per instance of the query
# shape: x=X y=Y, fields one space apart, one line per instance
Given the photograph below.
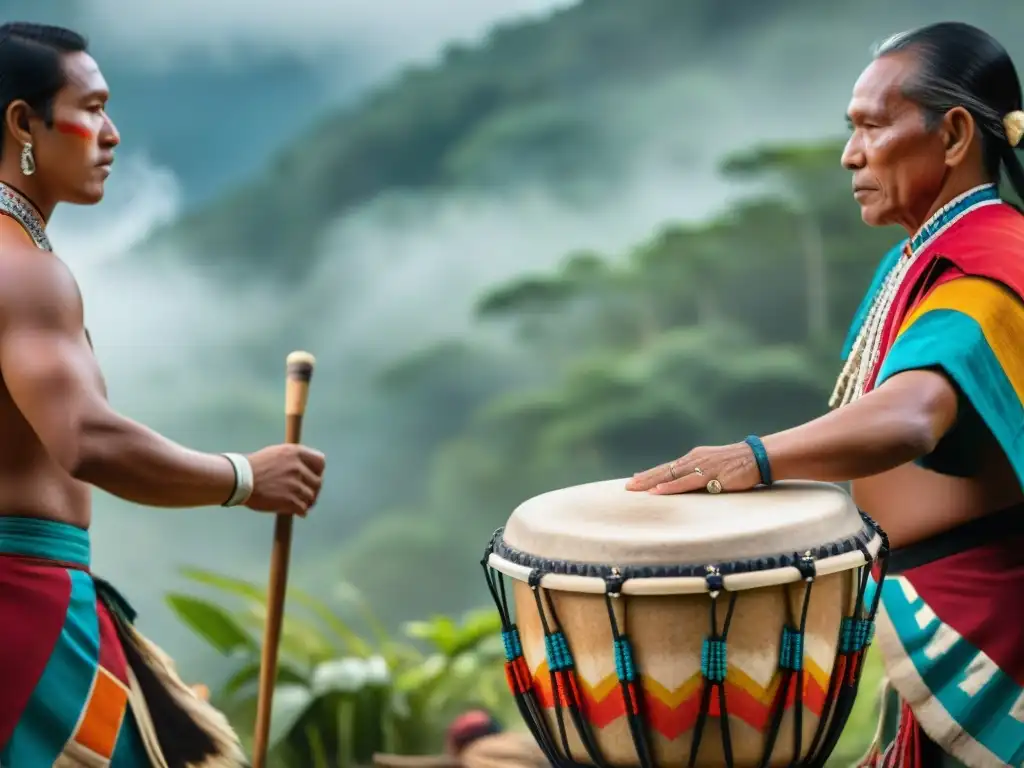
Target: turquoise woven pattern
x=513 y=646
x=791 y=654
x=855 y=634
x=624 y=666
x=559 y=657
x=713 y=660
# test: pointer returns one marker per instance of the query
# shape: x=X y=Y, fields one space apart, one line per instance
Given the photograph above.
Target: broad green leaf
x=212 y=623
x=482 y=622
x=256 y=594
x=423 y=677
x=481 y=628
x=453 y=639
x=233 y=586
x=300 y=642
x=421 y=630
x=439 y=631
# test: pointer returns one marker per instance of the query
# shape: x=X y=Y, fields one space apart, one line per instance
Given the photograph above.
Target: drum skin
x=667 y=633
x=581 y=526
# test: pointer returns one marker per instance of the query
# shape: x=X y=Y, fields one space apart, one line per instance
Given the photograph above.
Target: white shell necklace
x=868 y=344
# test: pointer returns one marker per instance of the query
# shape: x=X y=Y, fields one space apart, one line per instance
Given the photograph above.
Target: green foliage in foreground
x=344 y=694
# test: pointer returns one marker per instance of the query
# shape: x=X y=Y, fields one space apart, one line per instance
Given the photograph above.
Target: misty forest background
x=531 y=245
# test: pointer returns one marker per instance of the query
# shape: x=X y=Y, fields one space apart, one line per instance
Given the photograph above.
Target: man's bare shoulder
x=36 y=284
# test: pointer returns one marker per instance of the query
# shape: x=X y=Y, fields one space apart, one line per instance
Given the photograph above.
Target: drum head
x=603 y=523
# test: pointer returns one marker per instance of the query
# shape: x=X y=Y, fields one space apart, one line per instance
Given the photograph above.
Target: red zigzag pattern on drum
x=673 y=713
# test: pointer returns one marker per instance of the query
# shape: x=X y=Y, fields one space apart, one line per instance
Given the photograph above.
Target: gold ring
x=698 y=471
x=714 y=486
x=672 y=470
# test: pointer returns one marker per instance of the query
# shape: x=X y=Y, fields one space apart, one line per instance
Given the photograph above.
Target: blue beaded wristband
x=761 y=457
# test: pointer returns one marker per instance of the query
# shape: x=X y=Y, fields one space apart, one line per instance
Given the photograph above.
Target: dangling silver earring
x=28 y=160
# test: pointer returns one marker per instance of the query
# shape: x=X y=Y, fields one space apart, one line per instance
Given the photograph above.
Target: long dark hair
x=30 y=65
x=963 y=66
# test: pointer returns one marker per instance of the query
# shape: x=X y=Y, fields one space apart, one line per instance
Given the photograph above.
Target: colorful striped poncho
x=951 y=631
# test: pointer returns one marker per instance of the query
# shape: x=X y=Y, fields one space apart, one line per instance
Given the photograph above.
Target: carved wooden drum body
x=688 y=630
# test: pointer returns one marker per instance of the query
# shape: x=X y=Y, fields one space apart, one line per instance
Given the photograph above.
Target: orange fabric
x=103 y=715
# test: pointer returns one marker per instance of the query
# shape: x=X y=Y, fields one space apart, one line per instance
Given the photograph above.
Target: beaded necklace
x=868 y=344
x=20 y=208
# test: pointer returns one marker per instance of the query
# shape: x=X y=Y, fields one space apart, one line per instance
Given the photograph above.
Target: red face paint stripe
x=73 y=129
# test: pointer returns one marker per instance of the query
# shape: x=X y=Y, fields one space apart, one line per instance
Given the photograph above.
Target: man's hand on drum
x=714 y=469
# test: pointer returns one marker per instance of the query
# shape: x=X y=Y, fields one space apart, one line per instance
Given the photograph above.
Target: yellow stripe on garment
x=994 y=307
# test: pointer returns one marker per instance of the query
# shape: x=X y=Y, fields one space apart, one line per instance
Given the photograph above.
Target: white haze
x=380 y=34
x=167 y=337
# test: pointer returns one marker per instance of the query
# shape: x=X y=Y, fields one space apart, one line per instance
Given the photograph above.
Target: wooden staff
x=299 y=367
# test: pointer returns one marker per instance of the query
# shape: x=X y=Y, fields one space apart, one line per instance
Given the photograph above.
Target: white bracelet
x=244 y=481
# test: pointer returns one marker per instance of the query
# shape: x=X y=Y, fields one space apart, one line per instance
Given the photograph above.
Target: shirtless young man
x=79 y=685
x=928 y=420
